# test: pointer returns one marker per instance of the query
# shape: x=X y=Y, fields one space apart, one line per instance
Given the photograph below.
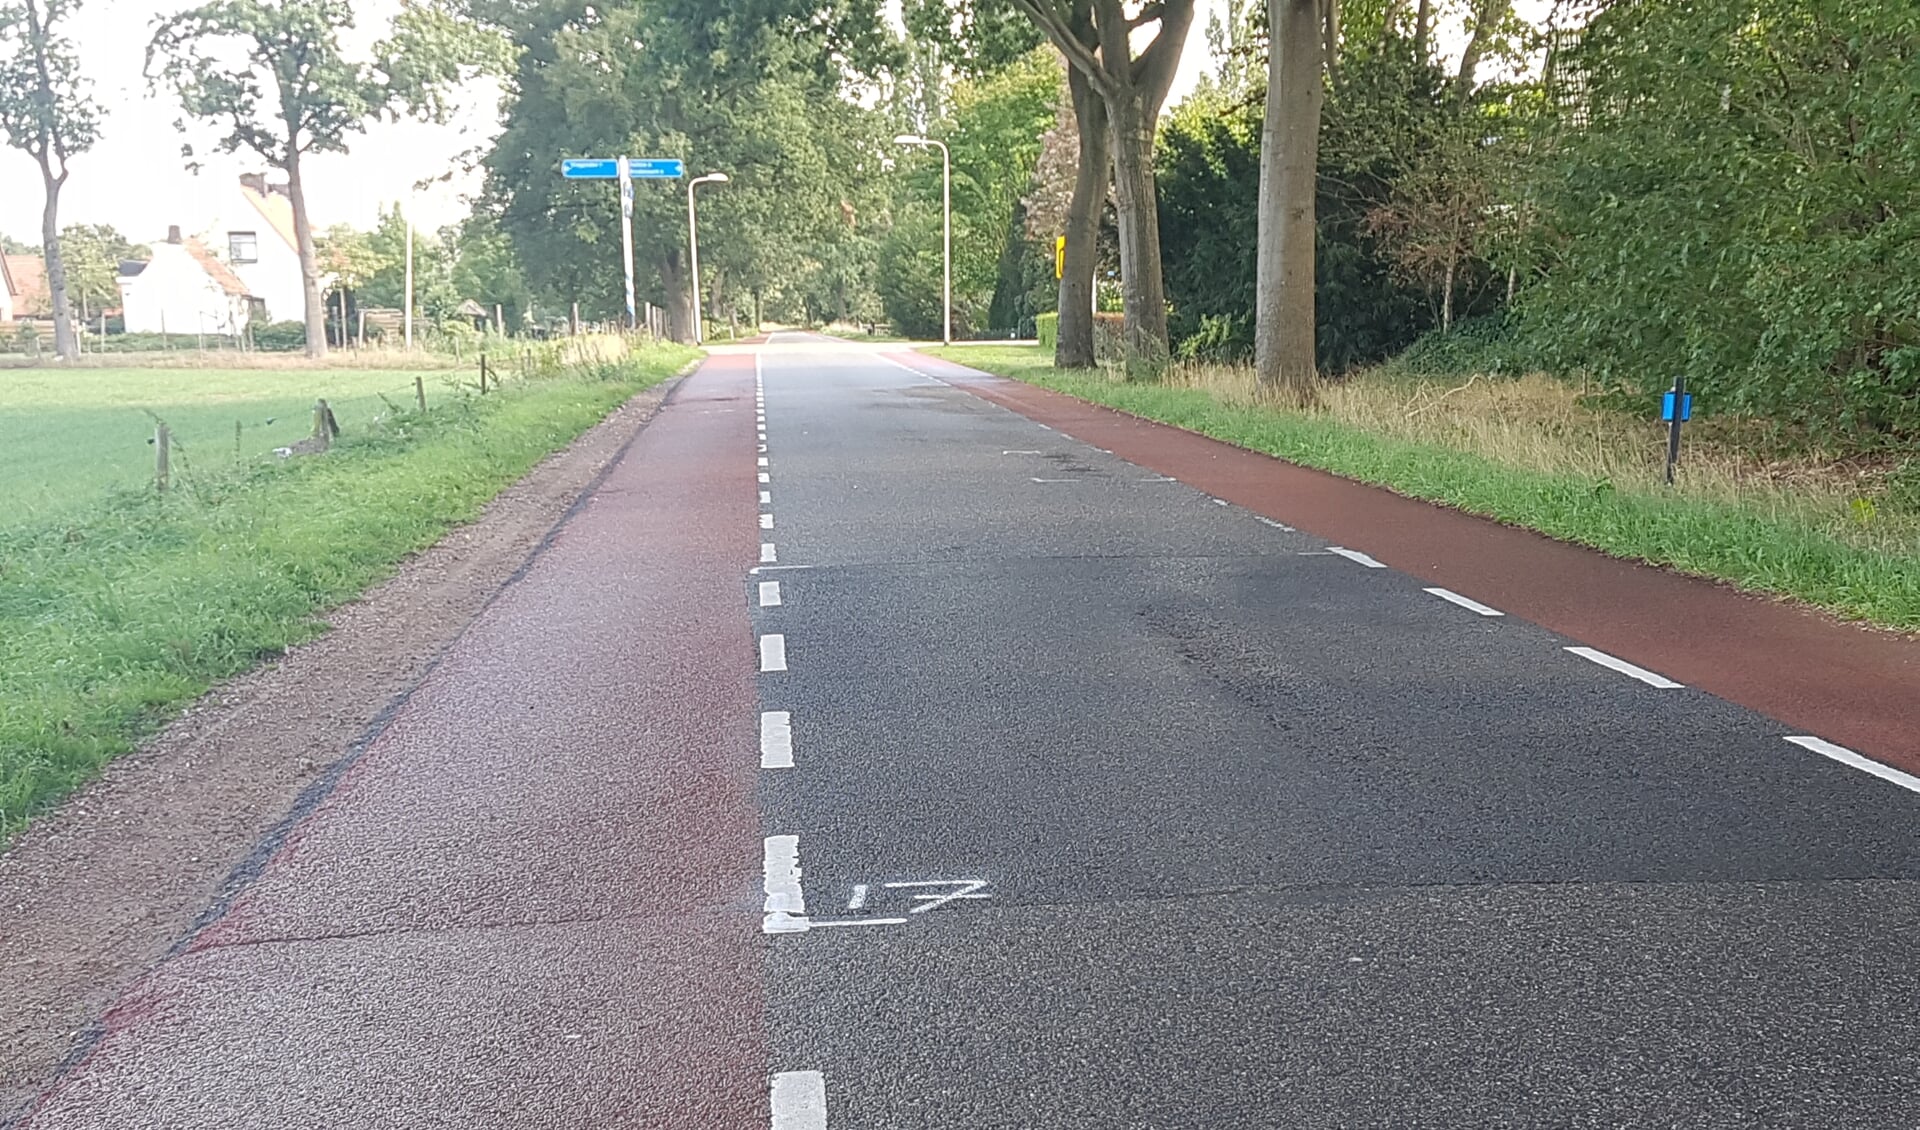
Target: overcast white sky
x=136 y=180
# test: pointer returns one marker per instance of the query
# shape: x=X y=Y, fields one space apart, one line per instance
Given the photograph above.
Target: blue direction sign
x=608 y=168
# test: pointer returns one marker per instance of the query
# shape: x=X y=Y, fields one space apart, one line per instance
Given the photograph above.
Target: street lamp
x=946 y=240
x=693 y=248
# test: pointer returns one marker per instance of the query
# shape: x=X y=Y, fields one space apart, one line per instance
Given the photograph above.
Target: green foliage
x=47 y=109
x=280 y=337
x=1047 y=329
x=93 y=253
x=115 y=617
x=1751 y=546
x=1377 y=131
x=1485 y=344
x=1738 y=207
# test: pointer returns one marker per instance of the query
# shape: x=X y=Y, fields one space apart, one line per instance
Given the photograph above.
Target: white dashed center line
x=1846 y=756
x=773 y=652
x=776 y=740
x=785 y=907
x=1355 y=555
x=799 y=1101
x=769 y=594
x=1625 y=668
x=1465 y=602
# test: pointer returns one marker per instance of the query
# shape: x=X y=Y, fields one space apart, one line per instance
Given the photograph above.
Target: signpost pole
x=626 y=233
x=1676 y=408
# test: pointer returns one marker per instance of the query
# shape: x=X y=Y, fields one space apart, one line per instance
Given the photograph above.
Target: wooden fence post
x=162 y=456
x=420 y=392
x=483 y=374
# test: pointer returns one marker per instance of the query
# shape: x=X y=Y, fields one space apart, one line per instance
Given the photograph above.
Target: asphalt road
x=1067 y=796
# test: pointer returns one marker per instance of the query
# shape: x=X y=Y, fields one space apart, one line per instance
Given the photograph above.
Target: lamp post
x=693 y=249
x=946 y=230
x=407 y=317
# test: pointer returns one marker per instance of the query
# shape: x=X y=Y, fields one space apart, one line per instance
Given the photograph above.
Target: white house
x=184 y=289
x=252 y=232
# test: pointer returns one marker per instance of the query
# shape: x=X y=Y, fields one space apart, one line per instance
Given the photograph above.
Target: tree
x=1097 y=38
x=1283 y=334
x=93 y=254
x=46 y=112
x=272 y=72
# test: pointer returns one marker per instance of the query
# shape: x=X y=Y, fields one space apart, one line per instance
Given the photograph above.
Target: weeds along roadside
x=1525 y=451
x=112 y=620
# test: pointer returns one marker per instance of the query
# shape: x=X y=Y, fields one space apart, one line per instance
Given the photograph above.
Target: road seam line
x=1625 y=668
x=1846 y=756
x=1467 y=603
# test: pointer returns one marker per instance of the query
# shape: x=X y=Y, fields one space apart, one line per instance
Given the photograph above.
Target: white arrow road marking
x=962 y=889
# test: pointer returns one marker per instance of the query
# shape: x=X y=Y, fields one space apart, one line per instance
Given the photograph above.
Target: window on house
x=243 y=247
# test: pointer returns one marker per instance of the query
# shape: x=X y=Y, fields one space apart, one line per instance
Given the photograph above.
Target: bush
x=1223 y=338
x=280 y=337
x=1046 y=327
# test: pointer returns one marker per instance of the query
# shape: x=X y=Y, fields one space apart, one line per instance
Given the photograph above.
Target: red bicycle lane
x=531 y=899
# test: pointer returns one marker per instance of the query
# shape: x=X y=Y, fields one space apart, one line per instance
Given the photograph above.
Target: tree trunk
x=1137 y=205
x=1422 y=28
x=1487 y=15
x=65 y=345
x=679 y=299
x=1283 y=339
x=316 y=311
x=1446 y=299
x=1074 y=349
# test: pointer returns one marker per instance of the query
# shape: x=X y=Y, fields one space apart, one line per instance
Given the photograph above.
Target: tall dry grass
x=1538 y=423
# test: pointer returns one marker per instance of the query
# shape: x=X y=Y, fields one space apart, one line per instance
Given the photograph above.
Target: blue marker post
x=1676 y=407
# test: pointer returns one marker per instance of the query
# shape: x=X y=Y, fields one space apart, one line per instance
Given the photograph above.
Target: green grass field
x=118 y=607
x=68 y=437
x=1525 y=453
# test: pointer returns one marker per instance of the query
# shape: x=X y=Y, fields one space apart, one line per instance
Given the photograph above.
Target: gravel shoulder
x=97 y=892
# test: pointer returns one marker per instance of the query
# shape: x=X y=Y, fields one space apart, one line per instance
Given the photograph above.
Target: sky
x=136 y=179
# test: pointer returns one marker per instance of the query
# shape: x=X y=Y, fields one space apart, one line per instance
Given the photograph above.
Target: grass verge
x=112 y=620
x=1526 y=453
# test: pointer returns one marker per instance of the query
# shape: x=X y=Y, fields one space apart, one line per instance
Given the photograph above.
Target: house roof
x=29 y=277
x=6 y=277
x=275 y=208
x=219 y=272
x=131 y=268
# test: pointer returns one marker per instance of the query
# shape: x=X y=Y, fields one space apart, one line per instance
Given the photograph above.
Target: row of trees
x=269 y=75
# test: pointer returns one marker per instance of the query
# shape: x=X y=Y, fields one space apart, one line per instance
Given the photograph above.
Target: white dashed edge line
x=785 y=909
x=1467 y=603
x=1356 y=556
x=1846 y=756
x=1625 y=668
x=766 y=521
x=768 y=554
x=769 y=594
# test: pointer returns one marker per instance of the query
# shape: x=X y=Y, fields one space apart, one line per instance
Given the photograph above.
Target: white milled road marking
x=1019 y=453
x=1465 y=602
x=1274 y=524
x=766 y=521
x=799 y=1101
x=1846 y=756
x=1625 y=668
x=830 y=923
x=963 y=889
x=773 y=652
x=767 y=554
x=763 y=447
x=776 y=740
x=765 y=478
x=785 y=911
x=859 y=898
x=1155 y=479
x=1056 y=480
x=769 y=594
x=1356 y=555
x=763 y=460
x=766 y=497
x=1219 y=502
